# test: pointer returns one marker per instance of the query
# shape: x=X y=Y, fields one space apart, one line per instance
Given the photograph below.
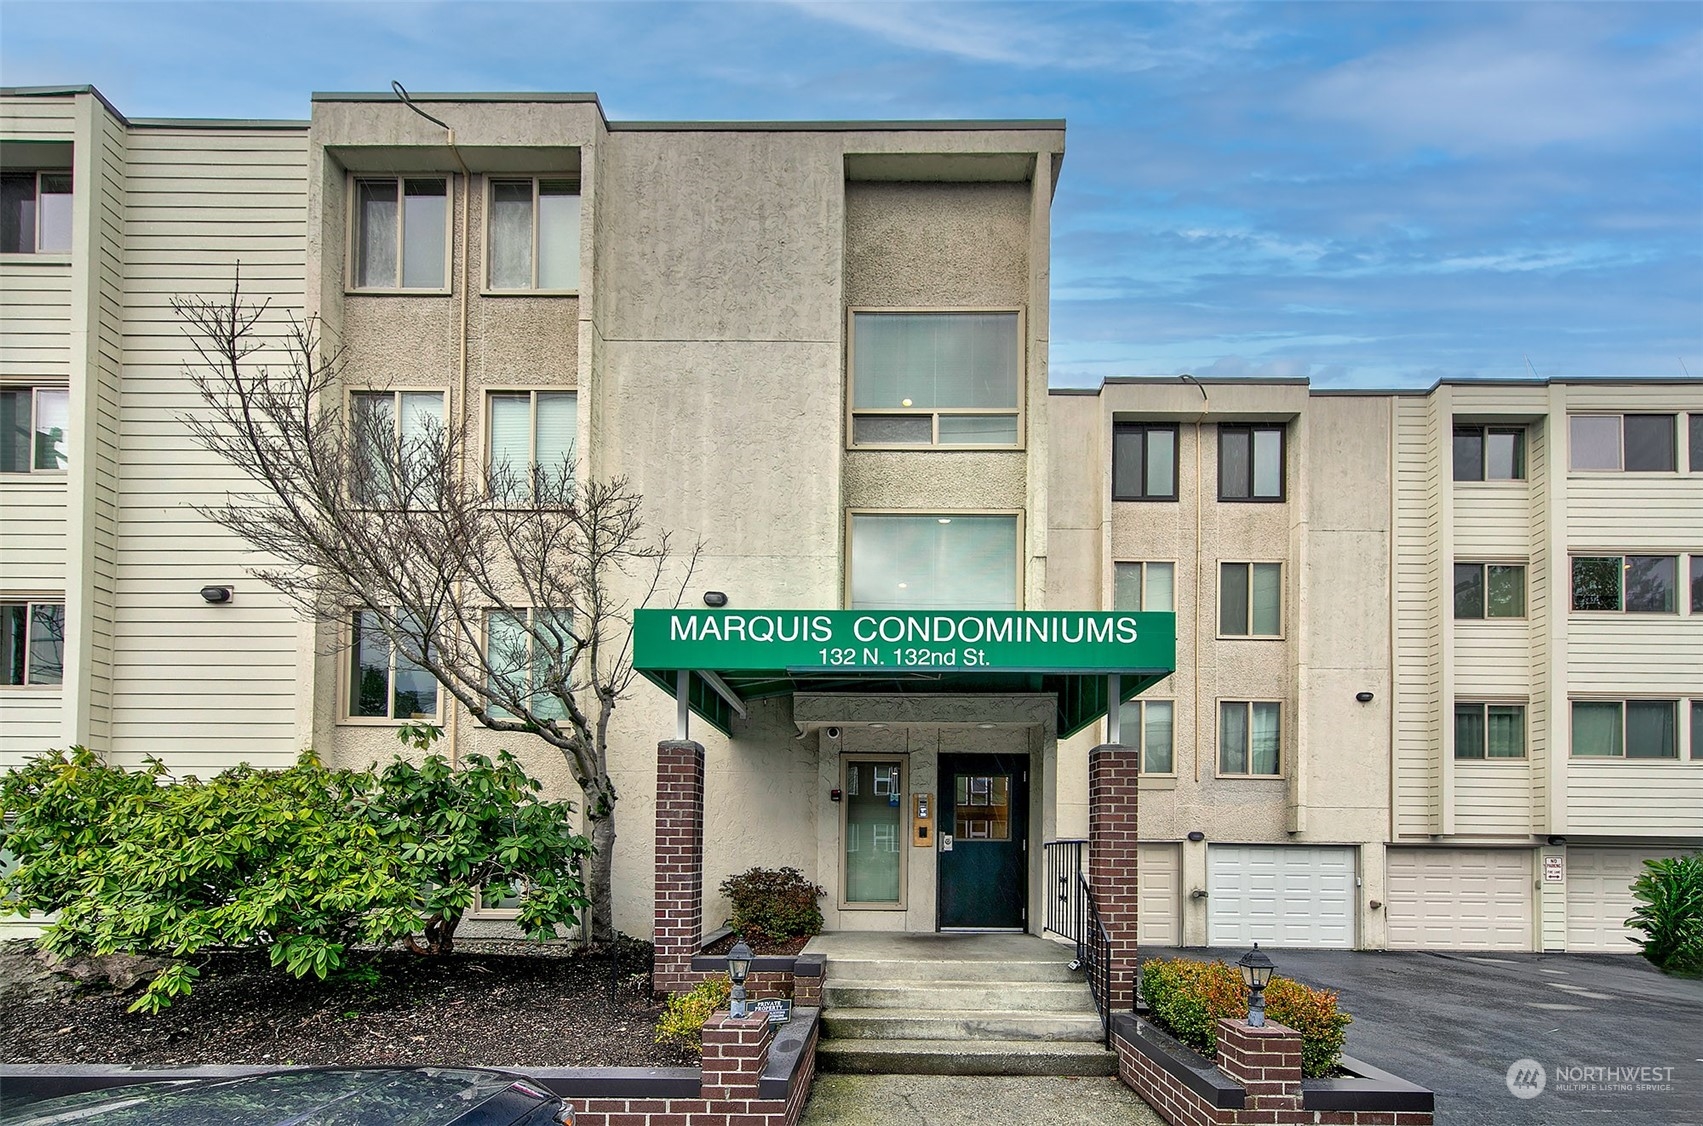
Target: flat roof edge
x=219 y=123
x=478 y=96
x=1230 y=381
x=68 y=91
x=918 y=126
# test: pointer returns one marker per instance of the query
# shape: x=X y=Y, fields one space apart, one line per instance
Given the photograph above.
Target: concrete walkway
x=953 y=1100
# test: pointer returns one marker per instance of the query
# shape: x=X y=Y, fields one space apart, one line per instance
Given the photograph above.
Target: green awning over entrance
x=731 y=656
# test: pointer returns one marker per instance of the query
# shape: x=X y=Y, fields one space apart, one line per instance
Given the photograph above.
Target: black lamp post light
x=1256 y=975
x=738 y=965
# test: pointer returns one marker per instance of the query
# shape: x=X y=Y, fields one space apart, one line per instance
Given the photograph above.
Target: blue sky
x=1367 y=194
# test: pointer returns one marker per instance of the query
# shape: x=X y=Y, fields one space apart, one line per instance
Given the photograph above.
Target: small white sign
x=1554 y=869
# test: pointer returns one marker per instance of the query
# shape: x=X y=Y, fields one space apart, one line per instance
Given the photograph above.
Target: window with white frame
x=391 y=431
x=35 y=212
x=384 y=684
x=1144 y=461
x=1489 y=590
x=1150 y=724
x=533 y=234
x=525 y=658
x=1635 y=584
x=530 y=435
x=1485 y=731
x=34 y=422
x=1250 y=462
x=935 y=378
x=32 y=632
x=1144 y=586
x=1629 y=443
x=1626 y=729
x=1250 y=599
x=401 y=233
x=933 y=561
x=1250 y=738
x=1490 y=453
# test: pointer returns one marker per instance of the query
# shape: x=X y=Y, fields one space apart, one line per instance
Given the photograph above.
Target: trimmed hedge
x=1187 y=998
x=773 y=904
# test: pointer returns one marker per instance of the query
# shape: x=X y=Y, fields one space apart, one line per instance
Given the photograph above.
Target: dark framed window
x=1631 y=443
x=1626 y=729
x=34 y=423
x=1490 y=590
x=1490 y=453
x=1697 y=584
x=32 y=642
x=1250 y=463
x=1696 y=443
x=1490 y=731
x=1697 y=731
x=35 y=212
x=384 y=683
x=1144 y=461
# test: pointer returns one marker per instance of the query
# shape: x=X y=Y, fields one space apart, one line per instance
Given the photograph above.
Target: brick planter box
x=753 y=1075
x=1257 y=1079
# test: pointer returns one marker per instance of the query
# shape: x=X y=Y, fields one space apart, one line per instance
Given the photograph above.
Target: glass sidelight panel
x=874 y=801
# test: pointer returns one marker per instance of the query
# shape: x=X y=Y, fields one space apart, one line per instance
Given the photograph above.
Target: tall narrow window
x=1250 y=462
x=32 y=642
x=1697 y=583
x=1696 y=443
x=874 y=803
x=1144 y=586
x=1250 y=737
x=935 y=379
x=383 y=682
x=1250 y=599
x=901 y=561
x=534 y=234
x=401 y=230
x=33 y=429
x=35 y=212
x=1144 y=461
x=531 y=439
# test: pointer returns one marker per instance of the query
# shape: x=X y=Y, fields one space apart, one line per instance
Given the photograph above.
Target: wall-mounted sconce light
x=217 y=595
x=714 y=598
x=1557 y=840
x=1363 y=697
x=1197 y=836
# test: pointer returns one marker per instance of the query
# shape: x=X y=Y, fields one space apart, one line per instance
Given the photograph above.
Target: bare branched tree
x=513 y=590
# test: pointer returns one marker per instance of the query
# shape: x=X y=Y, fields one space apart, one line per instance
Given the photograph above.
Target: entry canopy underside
x=733 y=656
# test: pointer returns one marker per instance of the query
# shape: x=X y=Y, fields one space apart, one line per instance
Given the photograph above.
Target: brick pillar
x=735 y=1053
x=678 y=926
x=1265 y=1060
x=1112 y=773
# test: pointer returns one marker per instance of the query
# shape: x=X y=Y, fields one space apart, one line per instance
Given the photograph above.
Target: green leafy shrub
x=773 y=904
x=682 y=1022
x=136 y=862
x=479 y=824
x=1187 y=998
x=1670 y=913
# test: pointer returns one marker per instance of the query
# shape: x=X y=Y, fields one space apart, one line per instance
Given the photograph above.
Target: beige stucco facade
x=709 y=343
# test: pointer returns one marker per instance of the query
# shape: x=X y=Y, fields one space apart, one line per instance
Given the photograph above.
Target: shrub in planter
x=682 y=1022
x=773 y=904
x=1670 y=913
x=1187 y=998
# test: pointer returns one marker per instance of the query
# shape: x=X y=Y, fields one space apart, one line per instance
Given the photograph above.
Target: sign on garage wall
x=1555 y=869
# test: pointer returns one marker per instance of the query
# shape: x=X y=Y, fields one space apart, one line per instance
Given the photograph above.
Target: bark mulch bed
x=761 y=946
x=498 y=1003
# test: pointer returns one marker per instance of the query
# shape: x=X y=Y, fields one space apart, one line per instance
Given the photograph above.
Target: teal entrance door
x=983 y=875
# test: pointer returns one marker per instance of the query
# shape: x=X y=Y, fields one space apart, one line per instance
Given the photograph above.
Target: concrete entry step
x=955 y=1057
x=937 y=996
x=973 y=1025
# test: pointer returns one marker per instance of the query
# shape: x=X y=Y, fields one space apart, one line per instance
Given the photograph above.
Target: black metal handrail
x=1063 y=907
x=1094 y=954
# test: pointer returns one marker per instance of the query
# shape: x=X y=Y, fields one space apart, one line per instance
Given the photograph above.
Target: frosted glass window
x=558 y=234
x=1594 y=441
x=960 y=371
x=401 y=232
x=933 y=562
x=511 y=234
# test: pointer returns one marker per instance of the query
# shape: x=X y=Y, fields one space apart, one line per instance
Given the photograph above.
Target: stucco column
x=679 y=910
x=1113 y=771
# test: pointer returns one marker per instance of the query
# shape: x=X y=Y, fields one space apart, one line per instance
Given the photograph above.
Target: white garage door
x=1280 y=895
x=1599 y=898
x=1460 y=899
x=1159 y=877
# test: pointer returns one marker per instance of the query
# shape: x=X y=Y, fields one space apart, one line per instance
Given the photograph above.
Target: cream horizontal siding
x=1638 y=654
x=1493 y=799
x=29 y=723
x=1635 y=798
x=1539 y=598
x=1476 y=400
x=35 y=307
x=203 y=686
x=1634 y=512
x=1635 y=397
x=1492 y=520
x=1492 y=658
x=38 y=118
x=1418 y=607
x=32 y=548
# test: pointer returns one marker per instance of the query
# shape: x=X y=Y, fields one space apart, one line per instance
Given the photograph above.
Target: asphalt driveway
x=1457 y=1023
